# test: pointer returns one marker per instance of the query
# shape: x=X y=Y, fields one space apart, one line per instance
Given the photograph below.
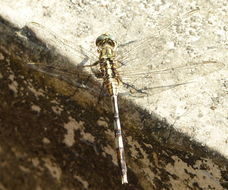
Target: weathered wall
x=54 y=135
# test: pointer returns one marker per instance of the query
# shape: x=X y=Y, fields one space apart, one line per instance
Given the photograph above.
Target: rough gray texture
x=55 y=135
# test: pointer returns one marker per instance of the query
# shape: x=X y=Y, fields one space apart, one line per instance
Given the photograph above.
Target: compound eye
x=104 y=37
x=100 y=39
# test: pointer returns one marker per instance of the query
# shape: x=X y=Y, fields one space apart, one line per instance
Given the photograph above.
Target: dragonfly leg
x=100 y=94
x=94 y=64
x=119 y=64
x=132 y=88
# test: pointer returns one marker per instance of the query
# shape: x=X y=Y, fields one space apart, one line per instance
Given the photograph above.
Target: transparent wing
x=157 y=71
x=66 y=74
x=147 y=66
x=53 y=39
x=75 y=72
x=147 y=47
x=80 y=56
x=166 y=76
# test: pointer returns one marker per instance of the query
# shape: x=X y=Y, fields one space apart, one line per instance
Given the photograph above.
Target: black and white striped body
x=111 y=80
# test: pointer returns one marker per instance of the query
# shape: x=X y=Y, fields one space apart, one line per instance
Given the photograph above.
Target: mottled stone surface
x=55 y=135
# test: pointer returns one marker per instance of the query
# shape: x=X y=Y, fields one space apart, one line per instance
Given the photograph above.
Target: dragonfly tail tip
x=124 y=179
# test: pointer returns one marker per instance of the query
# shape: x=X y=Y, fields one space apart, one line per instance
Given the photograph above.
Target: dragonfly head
x=104 y=39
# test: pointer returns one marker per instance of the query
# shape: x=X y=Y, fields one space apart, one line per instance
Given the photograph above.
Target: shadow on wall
x=53 y=137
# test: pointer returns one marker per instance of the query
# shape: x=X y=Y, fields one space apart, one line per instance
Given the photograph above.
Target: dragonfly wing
x=150 y=81
x=152 y=65
x=63 y=67
x=65 y=46
x=72 y=76
x=143 y=49
x=134 y=91
x=76 y=77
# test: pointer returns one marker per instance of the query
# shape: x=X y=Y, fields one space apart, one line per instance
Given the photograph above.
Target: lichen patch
x=71 y=127
x=84 y=183
x=35 y=108
x=54 y=170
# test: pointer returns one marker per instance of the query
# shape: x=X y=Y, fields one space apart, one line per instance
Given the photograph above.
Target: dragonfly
x=117 y=65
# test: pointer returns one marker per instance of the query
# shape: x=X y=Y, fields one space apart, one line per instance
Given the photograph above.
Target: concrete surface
x=53 y=136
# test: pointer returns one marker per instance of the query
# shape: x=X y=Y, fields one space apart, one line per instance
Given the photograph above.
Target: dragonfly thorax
x=106 y=52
